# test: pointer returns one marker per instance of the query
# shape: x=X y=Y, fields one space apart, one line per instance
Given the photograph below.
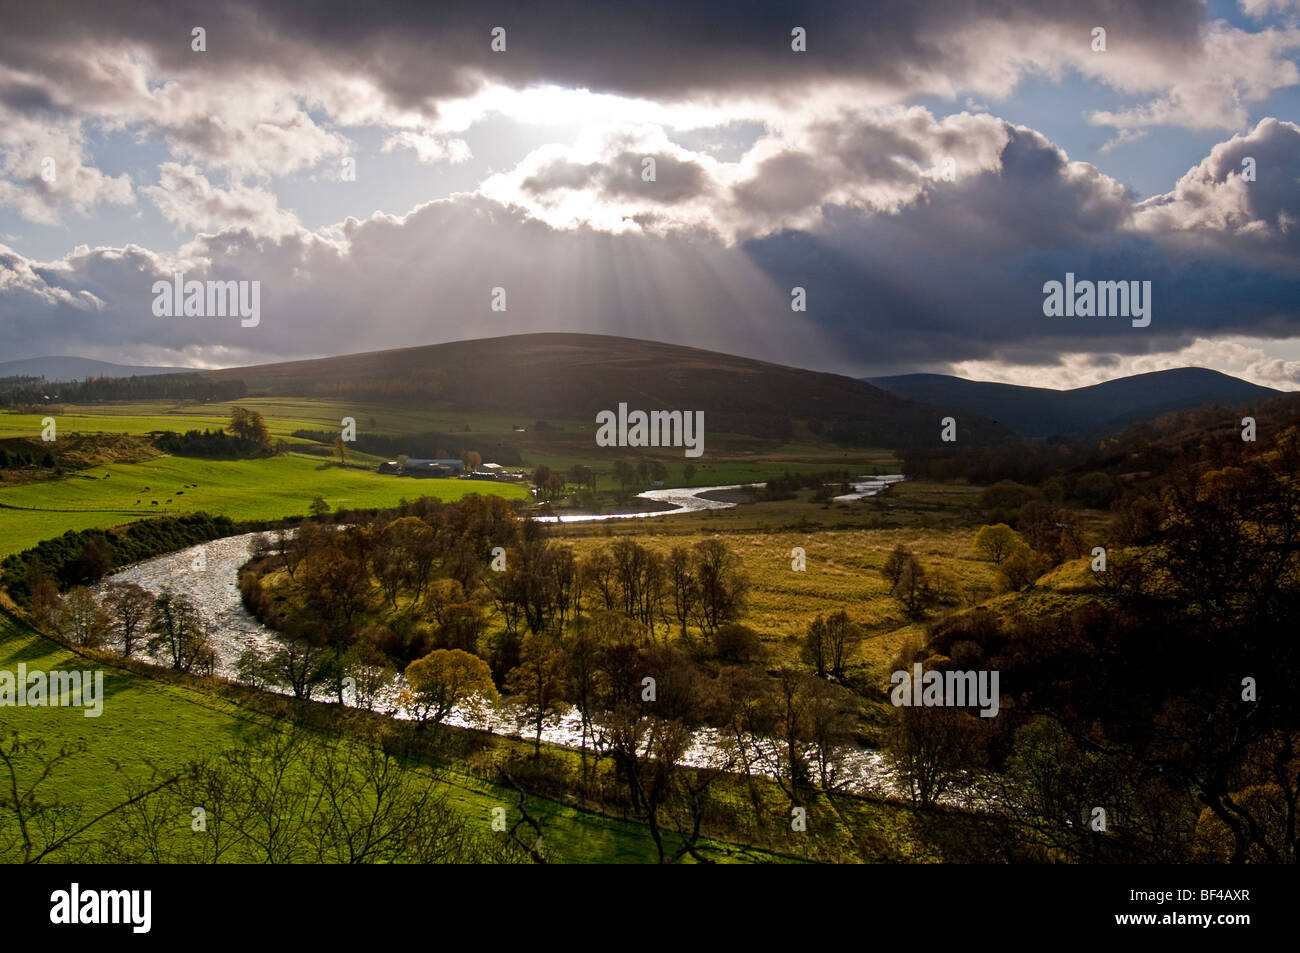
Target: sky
x=920 y=171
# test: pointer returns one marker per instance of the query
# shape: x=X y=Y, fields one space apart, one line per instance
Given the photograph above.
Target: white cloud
x=429 y=148
x=1262 y=8
x=1251 y=359
x=185 y=197
x=44 y=169
x=878 y=161
x=1212 y=87
x=1215 y=204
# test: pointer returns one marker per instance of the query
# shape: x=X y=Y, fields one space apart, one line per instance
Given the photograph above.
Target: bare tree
x=128 y=605
x=178 y=629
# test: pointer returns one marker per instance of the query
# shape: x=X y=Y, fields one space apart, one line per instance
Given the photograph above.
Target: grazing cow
x=153 y=502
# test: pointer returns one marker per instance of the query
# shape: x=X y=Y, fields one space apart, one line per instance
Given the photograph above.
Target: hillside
x=1105 y=407
x=78 y=369
x=573 y=376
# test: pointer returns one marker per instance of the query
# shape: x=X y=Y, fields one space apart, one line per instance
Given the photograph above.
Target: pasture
x=262 y=489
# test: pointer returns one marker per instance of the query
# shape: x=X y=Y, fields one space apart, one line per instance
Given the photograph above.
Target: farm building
x=423 y=467
x=427 y=468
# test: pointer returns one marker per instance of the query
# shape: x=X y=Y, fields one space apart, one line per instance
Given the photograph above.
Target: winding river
x=692 y=499
x=207 y=574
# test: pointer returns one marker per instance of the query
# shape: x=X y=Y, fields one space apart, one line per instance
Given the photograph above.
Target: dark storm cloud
x=418 y=52
x=960 y=277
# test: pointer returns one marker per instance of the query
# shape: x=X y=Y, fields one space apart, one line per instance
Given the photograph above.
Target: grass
x=148 y=724
x=845 y=546
x=241 y=489
x=842 y=571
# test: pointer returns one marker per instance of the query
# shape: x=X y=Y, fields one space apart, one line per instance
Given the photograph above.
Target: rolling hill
x=1105 y=407
x=78 y=369
x=573 y=376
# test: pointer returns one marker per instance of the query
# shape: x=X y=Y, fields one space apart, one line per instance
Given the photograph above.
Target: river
x=691 y=499
x=208 y=573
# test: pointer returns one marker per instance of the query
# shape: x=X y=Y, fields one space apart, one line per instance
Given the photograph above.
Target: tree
x=734 y=643
x=555 y=486
x=81 y=620
x=249 y=425
x=471 y=459
x=995 y=543
x=908 y=581
x=787 y=704
x=538 y=680
x=913 y=588
x=128 y=605
x=1095 y=490
x=624 y=473
x=341 y=448
x=319 y=508
x=931 y=749
x=586 y=642
x=580 y=475
x=179 y=630
x=335 y=588
x=830 y=643
x=649 y=751
x=832 y=713
x=682 y=586
x=899 y=557
x=444 y=680
x=688 y=472
x=96 y=559
x=45 y=600
x=1021 y=569
x=639 y=576
x=299 y=663
x=462 y=625
x=370 y=671
x=723 y=588
x=441 y=594
x=408 y=551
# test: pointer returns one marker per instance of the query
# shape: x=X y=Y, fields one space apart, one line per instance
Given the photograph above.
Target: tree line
x=35 y=394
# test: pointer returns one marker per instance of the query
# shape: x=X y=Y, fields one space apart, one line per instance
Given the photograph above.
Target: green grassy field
x=285 y=486
x=729 y=458
x=241 y=489
x=149 y=724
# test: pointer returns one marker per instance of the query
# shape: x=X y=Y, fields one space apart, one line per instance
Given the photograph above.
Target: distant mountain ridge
x=1109 y=406
x=79 y=368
